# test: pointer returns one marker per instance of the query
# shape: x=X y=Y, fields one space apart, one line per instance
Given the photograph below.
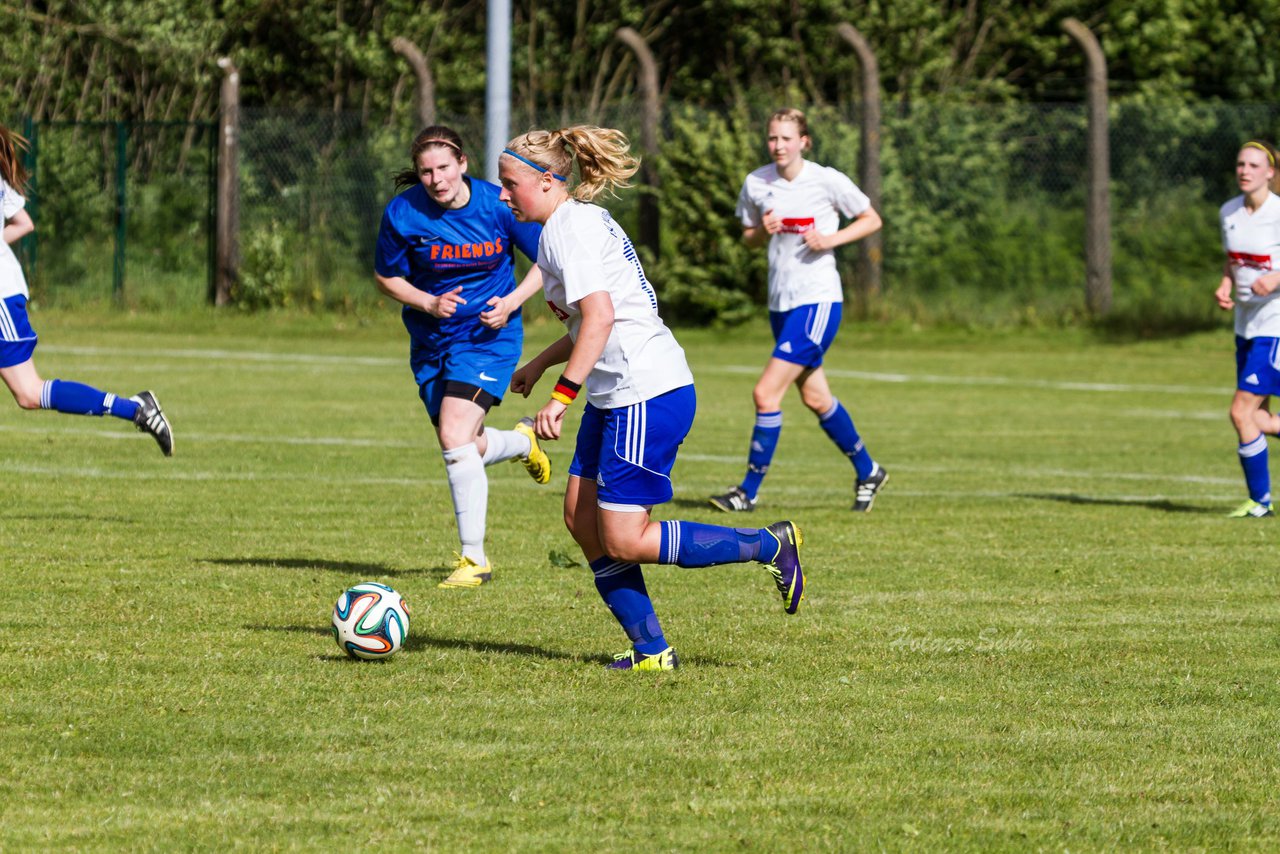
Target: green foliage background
x=983 y=138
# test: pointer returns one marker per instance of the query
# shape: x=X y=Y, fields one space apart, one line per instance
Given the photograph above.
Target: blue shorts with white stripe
x=804 y=334
x=629 y=451
x=17 y=338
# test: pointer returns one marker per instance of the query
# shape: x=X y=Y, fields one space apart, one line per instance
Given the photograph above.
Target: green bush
x=706 y=275
x=264 y=270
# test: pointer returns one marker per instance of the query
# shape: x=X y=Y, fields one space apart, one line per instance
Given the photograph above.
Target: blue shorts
x=804 y=334
x=1257 y=371
x=485 y=361
x=17 y=338
x=630 y=451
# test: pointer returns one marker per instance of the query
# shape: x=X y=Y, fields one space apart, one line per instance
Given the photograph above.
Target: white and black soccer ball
x=370 y=621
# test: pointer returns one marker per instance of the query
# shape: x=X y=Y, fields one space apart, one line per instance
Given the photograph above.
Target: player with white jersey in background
x=1251 y=238
x=640 y=395
x=446 y=252
x=18 y=338
x=795 y=206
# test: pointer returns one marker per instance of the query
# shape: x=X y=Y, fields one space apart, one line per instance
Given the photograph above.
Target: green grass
x=1045 y=637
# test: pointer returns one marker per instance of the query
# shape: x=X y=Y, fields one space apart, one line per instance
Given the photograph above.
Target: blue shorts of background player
x=1257 y=368
x=484 y=360
x=629 y=452
x=803 y=335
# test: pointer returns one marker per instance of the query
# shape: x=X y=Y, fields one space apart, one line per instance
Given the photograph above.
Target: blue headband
x=529 y=162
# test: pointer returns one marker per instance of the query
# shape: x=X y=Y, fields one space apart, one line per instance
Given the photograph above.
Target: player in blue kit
x=446 y=252
x=639 y=390
x=18 y=339
x=794 y=207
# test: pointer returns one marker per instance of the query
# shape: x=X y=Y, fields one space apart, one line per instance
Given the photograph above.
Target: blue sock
x=693 y=544
x=764 y=440
x=1253 y=459
x=839 y=427
x=80 y=399
x=621 y=586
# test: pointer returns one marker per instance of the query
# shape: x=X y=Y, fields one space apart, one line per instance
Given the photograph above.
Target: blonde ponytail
x=603 y=157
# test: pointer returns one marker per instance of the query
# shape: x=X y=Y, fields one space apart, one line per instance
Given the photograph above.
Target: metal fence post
x=31 y=160
x=1098 y=213
x=650 y=136
x=426 y=85
x=228 y=251
x=871 y=251
x=122 y=212
x=211 y=220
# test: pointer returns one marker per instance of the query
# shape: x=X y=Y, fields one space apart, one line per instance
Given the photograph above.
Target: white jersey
x=1252 y=244
x=814 y=200
x=12 y=282
x=582 y=251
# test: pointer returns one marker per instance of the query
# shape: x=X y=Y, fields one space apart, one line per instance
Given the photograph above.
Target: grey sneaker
x=150 y=419
x=734 y=501
x=864 y=494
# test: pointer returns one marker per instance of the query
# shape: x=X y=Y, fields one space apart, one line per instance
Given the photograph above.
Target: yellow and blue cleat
x=785 y=568
x=632 y=660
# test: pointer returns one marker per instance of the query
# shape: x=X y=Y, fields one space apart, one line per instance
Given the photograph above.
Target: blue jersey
x=437 y=250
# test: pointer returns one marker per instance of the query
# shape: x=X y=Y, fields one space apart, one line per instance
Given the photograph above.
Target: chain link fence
x=123 y=212
x=983 y=204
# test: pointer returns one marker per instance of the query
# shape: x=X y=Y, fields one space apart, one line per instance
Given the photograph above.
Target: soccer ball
x=370 y=621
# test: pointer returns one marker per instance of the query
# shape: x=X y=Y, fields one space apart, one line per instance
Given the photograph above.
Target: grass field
x=1046 y=636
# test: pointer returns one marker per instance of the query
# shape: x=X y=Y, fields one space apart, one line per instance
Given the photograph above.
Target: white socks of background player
x=504 y=445
x=470 y=490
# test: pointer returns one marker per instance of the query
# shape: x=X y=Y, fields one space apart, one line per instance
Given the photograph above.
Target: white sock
x=504 y=445
x=470 y=490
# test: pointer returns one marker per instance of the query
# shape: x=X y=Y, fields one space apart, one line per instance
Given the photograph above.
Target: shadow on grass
x=72 y=517
x=345 y=566
x=417 y=642
x=1162 y=504
x=694 y=504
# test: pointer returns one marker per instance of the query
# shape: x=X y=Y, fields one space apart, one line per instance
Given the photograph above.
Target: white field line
x=1000 y=382
x=869 y=376
x=172 y=471
x=123 y=432
x=229 y=356
x=177 y=474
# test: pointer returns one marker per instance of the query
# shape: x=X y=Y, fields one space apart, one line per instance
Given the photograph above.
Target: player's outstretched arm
x=17 y=227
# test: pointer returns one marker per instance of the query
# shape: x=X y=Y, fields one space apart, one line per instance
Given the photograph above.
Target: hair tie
x=427 y=142
x=1271 y=158
x=529 y=162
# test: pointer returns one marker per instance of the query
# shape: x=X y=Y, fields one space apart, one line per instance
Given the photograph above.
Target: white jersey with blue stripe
x=1252 y=243
x=814 y=200
x=12 y=282
x=583 y=251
